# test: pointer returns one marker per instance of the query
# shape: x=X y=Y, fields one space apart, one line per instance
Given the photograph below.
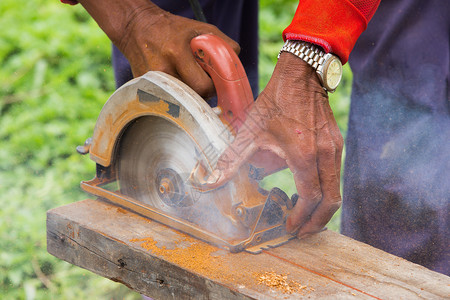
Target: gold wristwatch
x=328 y=66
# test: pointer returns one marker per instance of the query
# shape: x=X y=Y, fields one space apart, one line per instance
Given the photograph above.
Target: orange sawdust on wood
x=202 y=258
x=280 y=282
x=194 y=255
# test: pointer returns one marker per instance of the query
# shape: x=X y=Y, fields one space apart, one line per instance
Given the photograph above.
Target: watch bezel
x=324 y=71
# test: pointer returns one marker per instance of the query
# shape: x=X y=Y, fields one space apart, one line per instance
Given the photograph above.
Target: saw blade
x=155 y=159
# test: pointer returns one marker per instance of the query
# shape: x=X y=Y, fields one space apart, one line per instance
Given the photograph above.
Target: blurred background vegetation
x=55 y=76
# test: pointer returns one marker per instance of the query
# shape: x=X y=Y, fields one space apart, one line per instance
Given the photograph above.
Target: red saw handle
x=218 y=59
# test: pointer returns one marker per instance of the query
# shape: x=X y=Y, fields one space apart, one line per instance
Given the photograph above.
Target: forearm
x=116 y=17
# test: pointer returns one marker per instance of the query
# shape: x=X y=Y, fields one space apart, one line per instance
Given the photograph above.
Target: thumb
x=241 y=150
x=268 y=161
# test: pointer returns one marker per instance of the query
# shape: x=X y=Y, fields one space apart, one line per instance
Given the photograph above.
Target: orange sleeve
x=335 y=25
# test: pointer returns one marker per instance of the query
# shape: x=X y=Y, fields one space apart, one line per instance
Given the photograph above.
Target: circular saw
x=154 y=132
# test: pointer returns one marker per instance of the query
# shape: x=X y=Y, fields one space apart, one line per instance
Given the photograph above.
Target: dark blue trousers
x=397 y=168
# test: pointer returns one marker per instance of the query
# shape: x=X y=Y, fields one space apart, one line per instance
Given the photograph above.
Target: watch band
x=328 y=67
x=308 y=52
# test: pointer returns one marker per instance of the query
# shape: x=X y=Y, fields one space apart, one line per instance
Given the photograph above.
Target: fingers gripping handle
x=218 y=59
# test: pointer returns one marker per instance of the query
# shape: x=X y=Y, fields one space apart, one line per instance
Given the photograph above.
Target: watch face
x=333 y=74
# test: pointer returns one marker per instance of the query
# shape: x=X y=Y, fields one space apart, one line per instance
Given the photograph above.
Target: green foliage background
x=55 y=75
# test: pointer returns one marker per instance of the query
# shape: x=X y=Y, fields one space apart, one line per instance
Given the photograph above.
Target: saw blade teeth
x=155 y=160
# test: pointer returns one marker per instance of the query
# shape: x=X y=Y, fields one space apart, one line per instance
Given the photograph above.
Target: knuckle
x=235 y=47
x=339 y=141
x=328 y=150
x=223 y=163
x=226 y=158
x=309 y=156
x=316 y=196
x=170 y=50
x=210 y=27
x=171 y=71
x=165 y=68
x=334 y=206
x=205 y=89
x=137 y=70
x=205 y=28
x=327 y=146
x=334 y=201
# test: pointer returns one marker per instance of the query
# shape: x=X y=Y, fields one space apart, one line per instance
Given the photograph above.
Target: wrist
x=295 y=76
x=327 y=66
x=294 y=86
x=289 y=64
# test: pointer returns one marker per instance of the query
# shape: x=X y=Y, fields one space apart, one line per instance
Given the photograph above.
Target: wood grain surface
x=163 y=263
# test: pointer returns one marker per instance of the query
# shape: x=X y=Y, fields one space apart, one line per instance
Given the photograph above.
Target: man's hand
x=161 y=42
x=155 y=40
x=291 y=124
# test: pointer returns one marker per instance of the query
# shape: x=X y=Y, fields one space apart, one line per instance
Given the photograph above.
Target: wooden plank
x=162 y=263
x=365 y=268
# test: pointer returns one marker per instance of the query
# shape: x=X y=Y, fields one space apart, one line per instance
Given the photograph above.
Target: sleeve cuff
x=71 y=2
x=334 y=25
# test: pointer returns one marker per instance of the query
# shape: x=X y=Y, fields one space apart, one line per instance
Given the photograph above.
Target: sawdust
x=193 y=255
x=214 y=263
x=280 y=282
x=121 y=210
